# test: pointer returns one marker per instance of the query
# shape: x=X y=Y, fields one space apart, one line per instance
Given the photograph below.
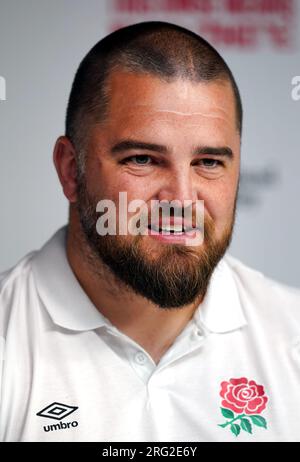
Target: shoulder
x=13 y=285
x=253 y=279
x=271 y=299
x=13 y=275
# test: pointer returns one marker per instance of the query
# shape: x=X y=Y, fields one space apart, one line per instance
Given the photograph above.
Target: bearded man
x=157 y=334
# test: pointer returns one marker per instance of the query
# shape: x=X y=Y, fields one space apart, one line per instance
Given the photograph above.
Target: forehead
x=138 y=95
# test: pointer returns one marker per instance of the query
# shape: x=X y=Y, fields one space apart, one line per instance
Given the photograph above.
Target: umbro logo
x=58 y=411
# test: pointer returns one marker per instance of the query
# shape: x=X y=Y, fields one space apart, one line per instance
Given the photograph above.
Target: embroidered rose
x=247 y=399
x=243 y=395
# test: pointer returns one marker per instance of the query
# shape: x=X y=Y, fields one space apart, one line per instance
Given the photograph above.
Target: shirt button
x=197 y=333
x=140 y=358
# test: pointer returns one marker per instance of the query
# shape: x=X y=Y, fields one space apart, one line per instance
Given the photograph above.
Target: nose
x=178 y=185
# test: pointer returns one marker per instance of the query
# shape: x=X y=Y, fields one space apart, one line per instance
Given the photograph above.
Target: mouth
x=172 y=229
x=175 y=233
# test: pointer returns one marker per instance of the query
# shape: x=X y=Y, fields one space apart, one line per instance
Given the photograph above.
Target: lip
x=169 y=237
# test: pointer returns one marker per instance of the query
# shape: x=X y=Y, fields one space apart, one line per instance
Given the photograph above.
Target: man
x=148 y=336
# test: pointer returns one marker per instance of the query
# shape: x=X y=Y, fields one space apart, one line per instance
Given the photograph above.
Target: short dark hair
x=157 y=48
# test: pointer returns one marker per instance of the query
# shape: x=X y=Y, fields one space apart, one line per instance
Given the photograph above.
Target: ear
x=64 y=158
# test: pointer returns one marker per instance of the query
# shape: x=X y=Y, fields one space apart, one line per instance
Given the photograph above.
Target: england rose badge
x=243 y=401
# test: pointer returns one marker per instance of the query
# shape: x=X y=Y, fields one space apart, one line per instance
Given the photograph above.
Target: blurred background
x=41 y=45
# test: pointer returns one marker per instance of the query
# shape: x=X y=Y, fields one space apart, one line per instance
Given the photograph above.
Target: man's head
x=154 y=111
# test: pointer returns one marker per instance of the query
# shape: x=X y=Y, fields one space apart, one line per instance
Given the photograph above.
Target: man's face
x=195 y=155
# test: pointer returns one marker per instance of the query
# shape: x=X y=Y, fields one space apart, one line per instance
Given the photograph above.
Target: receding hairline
x=118 y=71
x=146 y=49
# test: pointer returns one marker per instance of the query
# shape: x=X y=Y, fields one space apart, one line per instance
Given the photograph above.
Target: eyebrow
x=127 y=144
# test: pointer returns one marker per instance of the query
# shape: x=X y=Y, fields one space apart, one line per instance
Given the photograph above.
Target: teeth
x=172 y=229
x=155 y=228
x=175 y=228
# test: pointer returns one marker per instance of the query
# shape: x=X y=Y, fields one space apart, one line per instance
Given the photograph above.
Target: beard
x=169 y=275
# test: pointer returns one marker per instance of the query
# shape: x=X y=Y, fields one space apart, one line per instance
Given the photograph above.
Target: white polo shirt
x=68 y=374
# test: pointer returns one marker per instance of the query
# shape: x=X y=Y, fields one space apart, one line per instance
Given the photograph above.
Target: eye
x=142 y=159
x=210 y=163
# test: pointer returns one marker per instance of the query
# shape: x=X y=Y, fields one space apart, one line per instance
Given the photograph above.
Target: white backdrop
x=41 y=45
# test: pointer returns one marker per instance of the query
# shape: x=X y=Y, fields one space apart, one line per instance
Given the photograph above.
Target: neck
x=152 y=327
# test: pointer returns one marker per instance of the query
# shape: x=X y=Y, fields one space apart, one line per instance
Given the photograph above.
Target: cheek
x=105 y=181
x=136 y=187
x=112 y=183
x=219 y=201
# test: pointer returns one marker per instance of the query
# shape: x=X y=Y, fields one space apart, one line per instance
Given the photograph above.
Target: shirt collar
x=70 y=307
x=63 y=297
x=221 y=310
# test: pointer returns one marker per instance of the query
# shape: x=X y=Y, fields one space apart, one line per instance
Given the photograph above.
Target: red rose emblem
x=243 y=396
